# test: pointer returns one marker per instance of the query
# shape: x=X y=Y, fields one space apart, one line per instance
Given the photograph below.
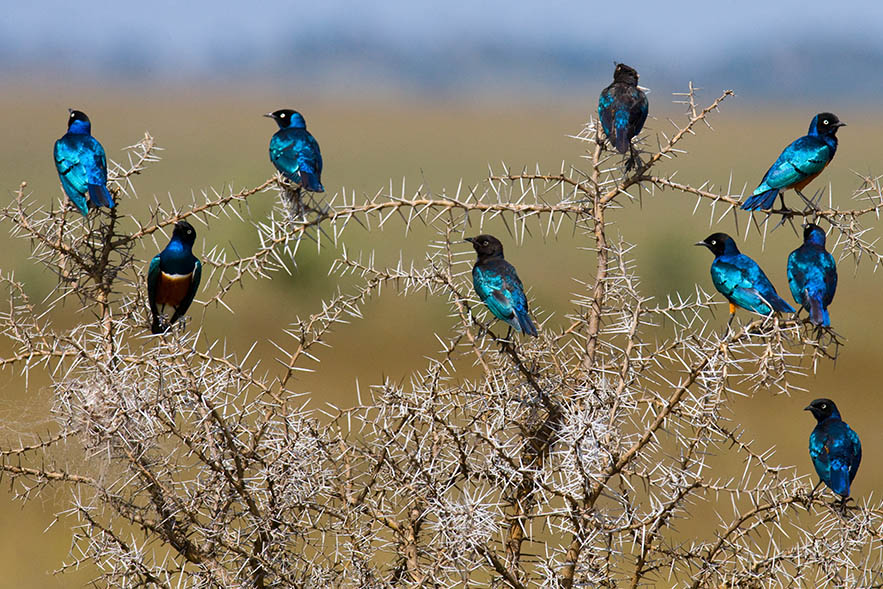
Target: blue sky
x=187 y=29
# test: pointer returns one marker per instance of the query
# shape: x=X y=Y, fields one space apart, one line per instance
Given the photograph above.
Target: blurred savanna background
x=405 y=94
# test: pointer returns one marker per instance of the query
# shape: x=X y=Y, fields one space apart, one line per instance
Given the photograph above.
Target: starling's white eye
x=713 y=241
x=823 y=406
x=826 y=122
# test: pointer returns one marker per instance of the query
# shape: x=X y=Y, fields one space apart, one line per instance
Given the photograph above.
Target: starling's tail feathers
x=761 y=200
x=310 y=180
x=839 y=477
x=781 y=305
x=622 y=140
x=100 y=196
x=817 y=313
x=526 y=324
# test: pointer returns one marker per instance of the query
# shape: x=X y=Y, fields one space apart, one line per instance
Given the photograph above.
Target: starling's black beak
x=808 y=408
x=269 y=115
x=469 y=239
x=701 y=243
x=840 y=124
x=70 y=111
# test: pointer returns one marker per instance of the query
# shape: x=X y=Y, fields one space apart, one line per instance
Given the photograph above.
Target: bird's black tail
x=762 y=200
x=526 y=324
x=781 y=305
x=100 y=196
x=817 y=313
x=622 y=141
x=311 y=182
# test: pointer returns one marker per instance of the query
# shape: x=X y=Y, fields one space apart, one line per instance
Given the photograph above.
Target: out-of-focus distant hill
x=326 y=61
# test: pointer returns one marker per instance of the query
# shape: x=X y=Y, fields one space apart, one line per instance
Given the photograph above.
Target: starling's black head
x=720 y=244
x=486 y=246
x=77 y=117
x=814 y=234
x=822 y=409
x=184 y=232
x=624 y=73
x=825 y=123
x=286 y=118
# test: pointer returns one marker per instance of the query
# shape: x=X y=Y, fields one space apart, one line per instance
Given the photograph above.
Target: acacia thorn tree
x=568 y=461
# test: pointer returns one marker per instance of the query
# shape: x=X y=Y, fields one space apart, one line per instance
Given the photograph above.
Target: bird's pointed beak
x=269 y=115
x=469 y=239
x=644 y=89
x=70 y=111
x=840 y=124
x=808 y=408
x=701 y=243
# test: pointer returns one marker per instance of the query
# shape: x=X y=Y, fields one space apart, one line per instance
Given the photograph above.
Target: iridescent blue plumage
x=295 y=152
x=498 y=286
x=812 y=275
x=740 y=279
x=622 y=108
x=798 y=163
x=82 y=165
x=834 y=447
x=173 y=277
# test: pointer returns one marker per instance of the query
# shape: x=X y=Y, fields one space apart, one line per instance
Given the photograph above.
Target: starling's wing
x=605 y=111
x=829 y=271
x=68 y=153
x=639 y=111
x=488 y=283
x=195 y=278
x=515 y=293
x=283 y=154
x=805 y=157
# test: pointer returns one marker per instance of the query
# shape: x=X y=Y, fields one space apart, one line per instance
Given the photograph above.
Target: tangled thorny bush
x=568 y=462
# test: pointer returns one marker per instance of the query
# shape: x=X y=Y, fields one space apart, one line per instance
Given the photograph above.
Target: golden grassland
x=215 y=137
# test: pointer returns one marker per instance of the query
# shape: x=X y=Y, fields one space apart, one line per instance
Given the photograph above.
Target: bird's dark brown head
x=826 y=123
x=822 y=409
x=286 y=117
x=78 y=122
x=720 y=244
x=185 y=232
x=486 y=246
x=76 y=115
x=626 y=74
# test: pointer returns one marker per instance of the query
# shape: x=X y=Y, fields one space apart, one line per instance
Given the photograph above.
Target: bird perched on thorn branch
x=498 y=286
